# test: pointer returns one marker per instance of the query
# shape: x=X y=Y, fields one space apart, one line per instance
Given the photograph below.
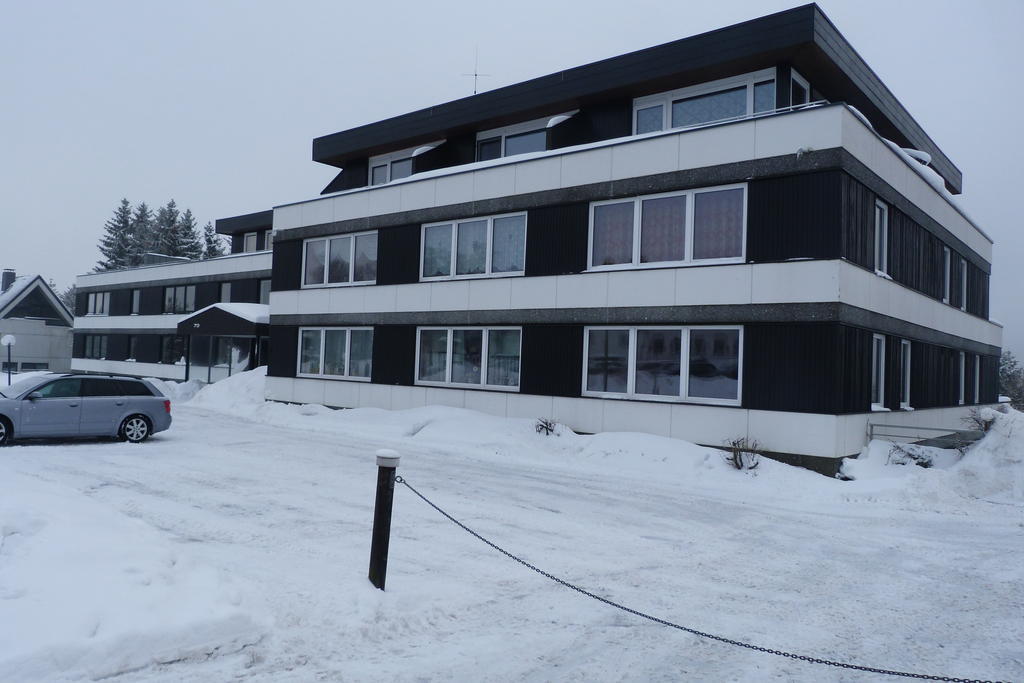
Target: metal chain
x=663 y=622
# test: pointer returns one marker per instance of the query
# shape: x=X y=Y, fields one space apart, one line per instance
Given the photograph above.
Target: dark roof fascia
x=566 y=89
x=249 y=222
x=828 y=38
x=220 y=322
x=792 y=35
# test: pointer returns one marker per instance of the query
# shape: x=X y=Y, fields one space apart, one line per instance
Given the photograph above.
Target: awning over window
x=228 y=320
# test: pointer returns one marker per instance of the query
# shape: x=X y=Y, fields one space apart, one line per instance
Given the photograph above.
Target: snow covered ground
x=235 y=546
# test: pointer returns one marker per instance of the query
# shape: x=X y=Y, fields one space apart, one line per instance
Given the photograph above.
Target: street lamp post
x=8 y=341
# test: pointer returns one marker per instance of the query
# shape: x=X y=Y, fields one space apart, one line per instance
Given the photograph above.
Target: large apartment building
x=737 y=234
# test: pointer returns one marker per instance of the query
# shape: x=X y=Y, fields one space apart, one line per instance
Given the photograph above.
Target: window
x=26 y=366
x=336 y=352
x=881 y=238
x=946 y=272
x=99 y=303
x=469 y=357
x=904 y=374
x=264 y=291
x=393 y=166
x=134 y=388
x=249 y=242
x=180 y=299
x=963 y=372
x=172 y=349
x=268 y=240
x=877 y=372
x=977 y=378
x=62 y=388
x=133 y=347
x=963 y=284
x=722 y=100
x=136 y=301
x=800 y=90
x=225 y=292
x=96 y=346
x=478 y=247
x=98 y=388
x=340 y=260
x=656 y=229
x=701 y=364
x=520 y=138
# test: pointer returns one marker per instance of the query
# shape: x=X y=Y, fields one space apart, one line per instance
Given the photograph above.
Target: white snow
x=254 y=313
x=268 y=509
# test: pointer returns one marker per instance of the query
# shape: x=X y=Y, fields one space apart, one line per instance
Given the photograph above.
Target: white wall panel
x=168 y=321
x=123 y=367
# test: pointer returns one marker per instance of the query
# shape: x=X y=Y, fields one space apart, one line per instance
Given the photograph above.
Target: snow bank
x=18 y=376
x=177 y=391
x=86 y=592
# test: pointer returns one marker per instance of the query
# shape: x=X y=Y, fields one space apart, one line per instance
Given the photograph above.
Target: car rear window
x=101 y=387
x=132 y=388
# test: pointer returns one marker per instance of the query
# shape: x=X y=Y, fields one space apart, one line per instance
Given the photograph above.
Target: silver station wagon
x=82 y=405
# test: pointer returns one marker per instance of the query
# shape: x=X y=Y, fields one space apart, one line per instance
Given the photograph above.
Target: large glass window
x=99 y=303
x=962 y=367
x=520 y=138
x=172 y=350
x=946 y=273
x=136 y=301
x=484 y=357
x=904 y=374
x=249 y=242
x=656 y=229
x=478 y=247
x=342 y=260
x=336 y=352
x=393 y=166
x=963 y=284
x=881 y=238
x=180 y=299
x=96 y=346
x=649 y=362
x=722 y=100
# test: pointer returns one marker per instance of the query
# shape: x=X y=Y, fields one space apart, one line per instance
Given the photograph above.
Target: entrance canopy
x=235 y=320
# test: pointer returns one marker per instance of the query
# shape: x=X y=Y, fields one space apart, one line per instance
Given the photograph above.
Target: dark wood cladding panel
x=858 y=223
x=283 y=351
x=854 y=358
x=989 y=380
x=977 y=291
x=601 y=121
x=81 y=303
x=121 y=302
x=552 y=360
x=151 y=301
x=238 y=243
x=245 y=291
x=556 y=239
x=955 y=280
x=78 y=346
x=147 y=348
x=398 y=255
x=117 y=346
x=355 y=174
x=287 y=272
x=456 y=150
x=934 y=376
x=394 y=354
x=791 y=367
x=207 y=293
x=794 y=217
x=915 y=255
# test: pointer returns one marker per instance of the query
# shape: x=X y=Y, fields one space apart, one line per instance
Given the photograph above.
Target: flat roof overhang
x=249 y=222
x=802 y=37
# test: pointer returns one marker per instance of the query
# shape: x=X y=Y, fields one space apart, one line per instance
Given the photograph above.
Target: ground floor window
x=172 y=349
x=96 y=346
x=469 y=357
x=877 y=372
x=664 y=363
x=904 y=374
x=339 y=352
x=25 y=367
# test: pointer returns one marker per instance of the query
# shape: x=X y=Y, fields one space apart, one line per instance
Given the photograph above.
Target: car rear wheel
x=5 y=431
x=135 y=429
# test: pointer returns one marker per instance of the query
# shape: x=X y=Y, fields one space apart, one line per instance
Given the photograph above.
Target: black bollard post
x=387 y=463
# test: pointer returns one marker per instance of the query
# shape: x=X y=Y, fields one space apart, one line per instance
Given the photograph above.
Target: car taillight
x=167 y=407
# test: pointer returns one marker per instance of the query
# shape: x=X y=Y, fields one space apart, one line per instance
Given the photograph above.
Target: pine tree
x=189 y=236
x=214 y=245
x=67 y=297
x=143 y=234
x=116 y=243
x=167 y=236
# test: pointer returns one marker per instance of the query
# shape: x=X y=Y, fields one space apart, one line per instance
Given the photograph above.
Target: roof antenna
x=476 y=68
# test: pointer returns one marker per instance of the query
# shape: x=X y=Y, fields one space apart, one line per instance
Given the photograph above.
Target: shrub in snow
x=742 y=453
x=909 y=454
x=545 y=426
x=981 y=419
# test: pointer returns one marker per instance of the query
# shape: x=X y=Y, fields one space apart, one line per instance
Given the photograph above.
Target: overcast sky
x=215 y=104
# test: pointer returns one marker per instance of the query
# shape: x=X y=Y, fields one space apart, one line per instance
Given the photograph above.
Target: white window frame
x=327 y=260
x=688 y=260
x=268 y=240
x=905 y=351
x=881 y=238
x=185 y=308
x=795 y=76
x=245 y=242
x=667 y=98
x=963 y=377
x=483 y=358
x=977 y=378
x=387 y=160
x=963 y=284
x=98 y=303
x=684 y=366
x=533 y=126
x=223 y=299
x=490 y=242
x=348 y=355
x=878 y=368
x=947 y=273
